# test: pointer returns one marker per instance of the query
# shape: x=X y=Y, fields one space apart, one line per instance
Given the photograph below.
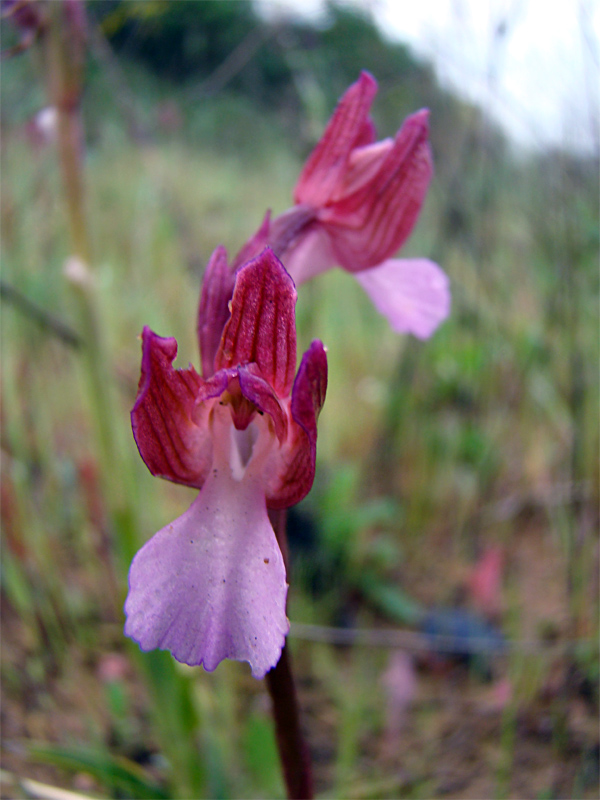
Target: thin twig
x=38 y=314
x=124 y=97
x=421 y=642
x=235 y=61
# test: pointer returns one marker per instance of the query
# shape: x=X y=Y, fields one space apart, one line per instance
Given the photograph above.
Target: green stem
x=176 y=719
x=62 y=51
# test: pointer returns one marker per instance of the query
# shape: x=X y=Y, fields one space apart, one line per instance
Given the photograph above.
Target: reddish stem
x=295 y=758
x=293 y=751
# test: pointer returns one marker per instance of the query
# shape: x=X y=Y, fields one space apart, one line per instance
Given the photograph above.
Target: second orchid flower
x=357 y=201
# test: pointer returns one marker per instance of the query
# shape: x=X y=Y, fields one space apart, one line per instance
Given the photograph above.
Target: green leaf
x=390 y=600
x=114 y=772
x=261 y=756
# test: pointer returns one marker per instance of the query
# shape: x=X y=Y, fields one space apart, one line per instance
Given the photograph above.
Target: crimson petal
x=348 y=128
x=290 y=476
x=371 y=224
x=213 y=310
x=262 y=325
x=171 y=435
x=258 y=391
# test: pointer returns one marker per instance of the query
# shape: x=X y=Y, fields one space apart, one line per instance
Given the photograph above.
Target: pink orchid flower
x=212 y=584
x=357 y=201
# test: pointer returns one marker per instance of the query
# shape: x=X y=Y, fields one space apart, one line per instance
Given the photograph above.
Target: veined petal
x=212 y=584
x=259 y=392
x=310 y=388
x=171 y=435
x=213 y=310
x=414 y=294
x=364 y=164
x=367 y=133
x=372 y=224
x=289 y=228
x=262 y=325
x=289 y=474
x=349 y=127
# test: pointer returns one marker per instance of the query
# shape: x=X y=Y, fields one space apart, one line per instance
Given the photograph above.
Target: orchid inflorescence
x=212 y=584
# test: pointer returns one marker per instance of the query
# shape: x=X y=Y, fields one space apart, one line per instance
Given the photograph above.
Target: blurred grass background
x=430 y=453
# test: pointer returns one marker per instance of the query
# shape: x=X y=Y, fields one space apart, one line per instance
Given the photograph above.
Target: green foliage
x=261 y=756
x=391 y=62
x=190 y=41
x=120 y=776
x=354 y=552
x=389 y=599
x=175 y=40
x=215 y=48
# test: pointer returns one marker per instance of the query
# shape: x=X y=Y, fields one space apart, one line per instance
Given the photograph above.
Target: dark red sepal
x=262 y=325
x=171 y=436
x=213 y=310
x=296 y=466
x=349 y=127
x=261 y=395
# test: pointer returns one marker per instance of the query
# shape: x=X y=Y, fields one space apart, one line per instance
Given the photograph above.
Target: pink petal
x=289 y=474
x=371 y=225
x=289 y=228
x=368 y=132
x=349 y=127
x=364 y=164
x=414 y=294
x=213 y=311
x=310 y=388
x=211 y=585
x=262 y=325
x=170 y=432
x=310 y=256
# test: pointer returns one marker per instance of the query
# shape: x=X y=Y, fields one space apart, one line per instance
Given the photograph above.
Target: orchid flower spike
x=356 y=203
x=212 y=584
